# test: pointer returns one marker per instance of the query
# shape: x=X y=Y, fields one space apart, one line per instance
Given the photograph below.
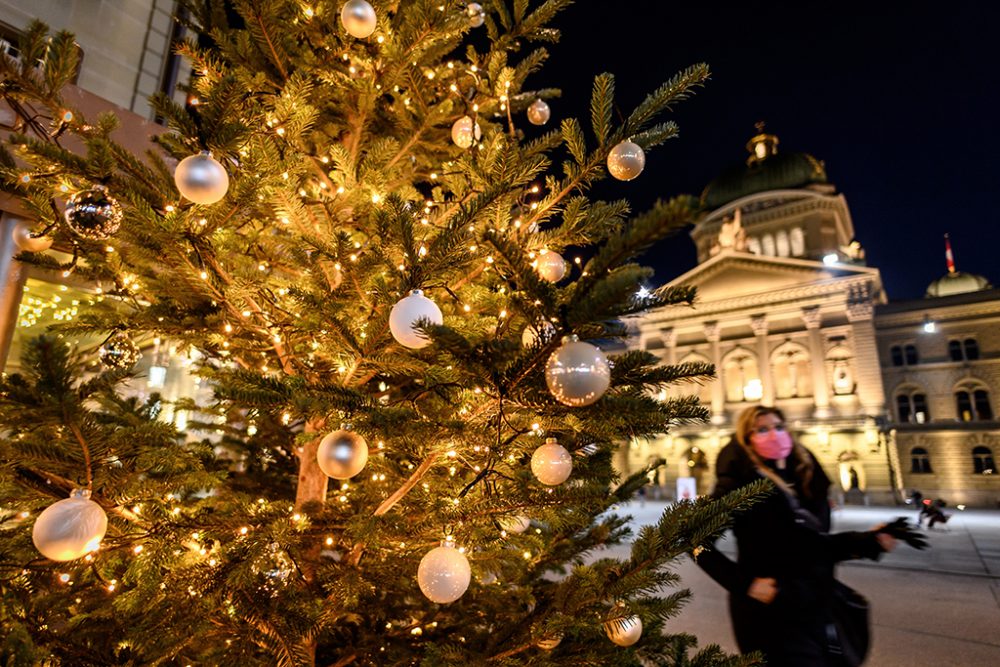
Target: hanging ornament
x=551 y=463
x=533 y=333
x=549 y=643
x=444 y=574
x=342 y=454
x=477 y=15
x=626 y=161
x=70 y=528
x=577 y=373
x=539 y=112
x=406 y=312
x=93 y=214
x=624 y=631
x=358 y=18
x=24 y=240
x=465 y=132
x=201 y=178
x=118 y=352
x=550 y=266
x=515 y=524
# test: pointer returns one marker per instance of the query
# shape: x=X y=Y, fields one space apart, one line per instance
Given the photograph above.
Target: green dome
x=956 y=282
x=778 y=171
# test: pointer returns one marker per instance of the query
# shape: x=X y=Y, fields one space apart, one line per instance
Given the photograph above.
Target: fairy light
x=64 y=578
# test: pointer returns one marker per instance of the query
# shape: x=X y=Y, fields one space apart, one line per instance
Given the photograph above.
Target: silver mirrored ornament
x=476 y=13
x=577 y=373
x=624 y=631
x=25 y=240
x=626 y=161
x=119 y=352
x=93 y=214
x=70 y=528
x=342 y=454
x=201 y=179
x=444 y=574
x=539 y=112
x=550 y=266
x=465 y=131
x=358 y=18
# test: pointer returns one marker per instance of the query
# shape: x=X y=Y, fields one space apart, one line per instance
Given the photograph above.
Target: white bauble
x=550 y=266
x=577 y=373
x=358 y=18
x=70 y=528
x=477 y=16
x=625 y=631
x=515 y=524
x=465 y=131
x=444 y=574
x=551 y=463
x=409 y=310
x=542 y=331
x=549 y=643
x=201 y=178
x=26 y=242
x=626 y=161
x=539 y=112
x=342 y=454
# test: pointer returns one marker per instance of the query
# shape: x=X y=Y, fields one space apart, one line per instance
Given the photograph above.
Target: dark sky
x=899 y=99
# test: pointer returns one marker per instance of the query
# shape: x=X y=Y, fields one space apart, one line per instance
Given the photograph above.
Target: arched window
x=971 y=348
x=753 y=245
x=920 y=461
x=911 y=406
x=703 y=390
x=972 y=403
x=982 y=461
x=742 y=376
x=955 y=350
x=797 y=239
x=792 y=371
x=767 y=245
x=896 y=352
x=963 y=350
x=781 y=243
x=910 y=355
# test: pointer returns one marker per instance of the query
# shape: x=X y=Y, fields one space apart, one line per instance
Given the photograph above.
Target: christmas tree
x=355 y=230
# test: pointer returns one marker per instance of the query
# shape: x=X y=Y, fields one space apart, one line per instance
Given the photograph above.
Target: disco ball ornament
x=626 y=161
x=577 y=373
x=539 y=112
x=515 y=524
x=542 y=331
x=118 y=352
x=93 y=214
x=465 y=131
x=476 y=13
x=26 y=241
x=549 y=643
x=550 y=266
x=444 y=574
x=201 y=179
x=70 y=528
x=406 y=312
x=358 y=18
x=342 y=454
x=625 y=631
x=551 y=463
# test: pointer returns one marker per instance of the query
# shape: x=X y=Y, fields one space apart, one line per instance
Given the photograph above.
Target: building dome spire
x=762 y=145
x=948 y=256
x=955 y=281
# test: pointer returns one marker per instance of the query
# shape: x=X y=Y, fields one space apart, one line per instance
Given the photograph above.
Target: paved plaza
x=938 y=607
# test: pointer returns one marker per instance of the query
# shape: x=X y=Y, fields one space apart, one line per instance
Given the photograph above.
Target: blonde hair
x=746 y=424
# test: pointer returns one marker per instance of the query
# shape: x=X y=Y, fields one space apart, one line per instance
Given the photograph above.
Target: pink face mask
x=772 y=444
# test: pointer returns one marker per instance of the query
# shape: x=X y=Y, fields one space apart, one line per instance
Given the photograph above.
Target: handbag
x=849 y=632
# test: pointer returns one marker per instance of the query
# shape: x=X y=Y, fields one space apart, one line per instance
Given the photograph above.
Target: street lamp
x=930 y=326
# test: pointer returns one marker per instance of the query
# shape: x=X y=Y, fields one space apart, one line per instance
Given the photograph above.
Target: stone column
x=713 y=332
x=669 y=337
x=13 y=275
x=759 y=325
x=817 y=359
x=860 y=310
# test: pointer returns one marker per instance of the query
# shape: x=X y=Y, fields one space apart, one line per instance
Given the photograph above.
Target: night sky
x=899 y=101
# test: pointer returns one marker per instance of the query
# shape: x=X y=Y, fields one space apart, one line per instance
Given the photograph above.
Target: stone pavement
x=938 y=607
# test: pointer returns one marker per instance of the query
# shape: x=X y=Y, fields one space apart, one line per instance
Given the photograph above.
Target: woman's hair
x=746 y=424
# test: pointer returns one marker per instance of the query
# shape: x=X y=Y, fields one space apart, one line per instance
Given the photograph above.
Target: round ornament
x=342 y=454
x=626 y=161
x=70 y=528
x=515 y=524
x=577 y=373
x=201 y=178
x=625 y=631
x=93 y=214
x=539 y=112
x=477 y=15
x=118 y=352
x=24 y=240
x=444 y=574
x=358 y=18
x=406 y=312
x=465 y=131
x=551 y=463
x=550 y=266
x=549 y=643
x=533 y=333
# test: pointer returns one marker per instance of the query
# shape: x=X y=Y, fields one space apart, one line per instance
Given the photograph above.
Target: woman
x=781 y=585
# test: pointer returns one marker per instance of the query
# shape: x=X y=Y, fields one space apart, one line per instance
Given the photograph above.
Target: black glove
x=901 y=530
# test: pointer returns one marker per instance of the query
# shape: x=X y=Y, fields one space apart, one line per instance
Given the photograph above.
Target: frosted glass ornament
x=577 y=373
x=70 y=528
x=358 y=18
x=26 y=242
x=551 y=463
x=444 y=574
x=625 y=631
x=465 y=131
x=477 y=16
x=201 y=179
x=550 y=266
x=93 y=214
x=549 y=643
x=539 y=112
x=342 y=454
x=542 y=331
x=119 y=352
x=626 y=161
x=515 y=524
x=406 y=312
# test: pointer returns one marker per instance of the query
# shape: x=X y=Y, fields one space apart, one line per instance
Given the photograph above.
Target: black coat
x=773 y=541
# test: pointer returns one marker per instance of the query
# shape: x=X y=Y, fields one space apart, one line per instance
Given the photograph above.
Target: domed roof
x=765 y=169
x=957 y=282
